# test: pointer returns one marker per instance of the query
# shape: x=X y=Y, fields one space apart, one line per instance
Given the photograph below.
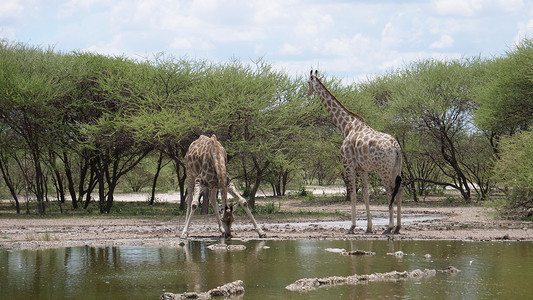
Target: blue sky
x=346 y=39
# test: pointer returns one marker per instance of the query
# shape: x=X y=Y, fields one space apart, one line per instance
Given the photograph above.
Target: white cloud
x=270 y=12
x=525 y=30
x=390 y=36
x=76 y=6
x=289 y=49
x=463 y=8
x=469 y=8
x=190 y=44
x=10 y=8
x=356 y=45
x=350 y=38
x=445 y=41
x=111 y=48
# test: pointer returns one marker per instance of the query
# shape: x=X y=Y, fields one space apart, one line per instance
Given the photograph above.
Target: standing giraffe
x=363 y=150
x=205 y=165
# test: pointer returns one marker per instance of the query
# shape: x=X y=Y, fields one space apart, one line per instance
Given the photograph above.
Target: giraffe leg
x=184 y=233
x=390 y=227
x=394 y=190
x=244 y=205
x=350 y=179
x=366 y=197
x=353 y=200
x=399 y=197
x=214 y=202
x=188 y=200
x=192 y=204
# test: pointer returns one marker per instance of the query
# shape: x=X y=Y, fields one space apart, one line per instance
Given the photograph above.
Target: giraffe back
x=206 y=159
x=372 y=150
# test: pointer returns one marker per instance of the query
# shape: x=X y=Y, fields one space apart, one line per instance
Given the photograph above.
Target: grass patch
x=119 y=209
x=266 y=209
x=46 y=237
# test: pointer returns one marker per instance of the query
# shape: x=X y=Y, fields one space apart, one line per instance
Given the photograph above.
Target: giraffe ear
x=316 y=73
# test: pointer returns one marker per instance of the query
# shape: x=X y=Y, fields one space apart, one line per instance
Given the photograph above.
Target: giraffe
x=205 y=165
x=363 y=150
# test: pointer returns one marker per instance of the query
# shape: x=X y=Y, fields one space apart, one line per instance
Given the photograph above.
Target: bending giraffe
x=205 y=165
x=363 y=150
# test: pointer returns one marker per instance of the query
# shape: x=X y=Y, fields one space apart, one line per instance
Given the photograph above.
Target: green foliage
x=514 y=172
x=81 y=123
x=304 y=193
x=267 y=209
x=430 y=112
x=505 y=97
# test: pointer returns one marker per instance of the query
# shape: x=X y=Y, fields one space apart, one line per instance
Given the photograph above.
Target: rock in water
x=307 y=284
x=358 y=252
x=228 y=289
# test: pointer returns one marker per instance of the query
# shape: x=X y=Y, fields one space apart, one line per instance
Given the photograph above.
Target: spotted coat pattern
x=205 y=166
x=363 y=150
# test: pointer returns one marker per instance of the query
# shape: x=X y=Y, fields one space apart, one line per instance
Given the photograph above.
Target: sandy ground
x=457 y=223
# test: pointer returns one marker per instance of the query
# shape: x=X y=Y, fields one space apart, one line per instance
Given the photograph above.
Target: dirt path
x=462 y=223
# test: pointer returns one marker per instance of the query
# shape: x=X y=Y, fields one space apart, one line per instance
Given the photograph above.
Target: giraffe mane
x=340 y=103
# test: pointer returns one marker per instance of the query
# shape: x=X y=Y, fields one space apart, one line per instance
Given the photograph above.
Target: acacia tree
x=505 y=105
x=166 y=115
x=514 y=172
x=120 y=92
x=505 y=114
x=9 y=149
x=435 y=99
x=33 y=82
x=245 y=107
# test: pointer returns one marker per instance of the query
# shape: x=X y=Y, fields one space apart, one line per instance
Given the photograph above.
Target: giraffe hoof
x=397 y=230
x=262 y=235
x=388 y=231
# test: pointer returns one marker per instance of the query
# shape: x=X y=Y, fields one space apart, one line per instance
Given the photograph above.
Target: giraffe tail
x=397 y=185
x=398 y=180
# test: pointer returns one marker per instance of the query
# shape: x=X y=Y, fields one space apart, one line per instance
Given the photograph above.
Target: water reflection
x=489 y=270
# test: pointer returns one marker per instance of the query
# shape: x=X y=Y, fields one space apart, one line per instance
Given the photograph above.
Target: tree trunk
x=181 y=182
x=60 y=188
x=154 y=183
x=39 y=184
x=205 y=202
x=258 y=179
x=70 y=181
x=101 y=188
x=449 y=154
x=284 y=180
x=110 y=198
x=93 y=180
x=9 y=183
x=84 y=168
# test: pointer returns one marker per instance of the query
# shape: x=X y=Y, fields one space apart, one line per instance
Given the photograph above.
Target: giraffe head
x=313 y=79
x=227 y=220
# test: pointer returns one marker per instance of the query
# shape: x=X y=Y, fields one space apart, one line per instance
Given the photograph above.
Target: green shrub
x=513 y=172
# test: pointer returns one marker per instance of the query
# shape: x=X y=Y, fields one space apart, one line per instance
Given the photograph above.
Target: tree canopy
x=77 y=124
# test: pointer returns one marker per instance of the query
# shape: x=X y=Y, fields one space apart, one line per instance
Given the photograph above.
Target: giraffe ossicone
x=205 y=166
x=364 y=150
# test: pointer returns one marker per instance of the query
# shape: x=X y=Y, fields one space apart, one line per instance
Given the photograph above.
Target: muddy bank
x=454 y=223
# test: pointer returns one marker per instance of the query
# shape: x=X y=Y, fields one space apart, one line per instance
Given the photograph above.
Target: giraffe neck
x=343 y=118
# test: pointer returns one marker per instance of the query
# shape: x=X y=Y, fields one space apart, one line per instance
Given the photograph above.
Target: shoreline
x=458 y=223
